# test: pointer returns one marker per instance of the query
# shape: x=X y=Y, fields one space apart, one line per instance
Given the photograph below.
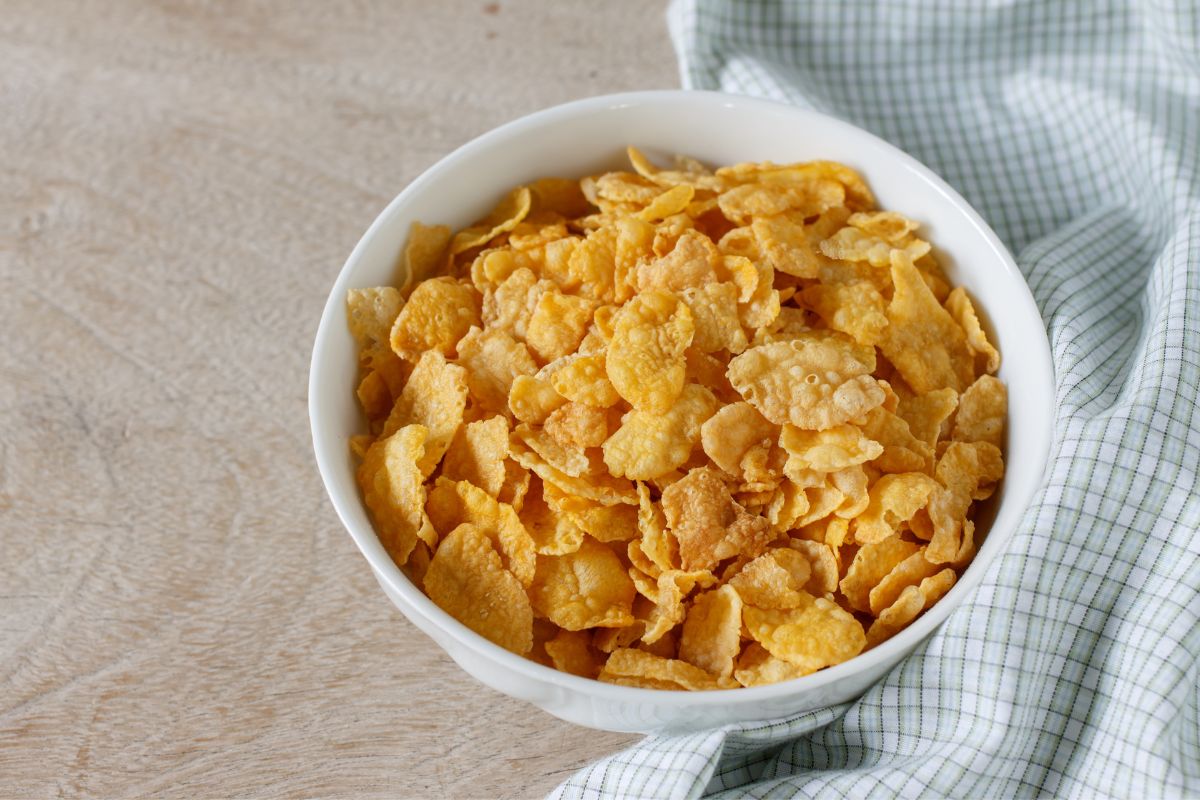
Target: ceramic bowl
x=590 y=136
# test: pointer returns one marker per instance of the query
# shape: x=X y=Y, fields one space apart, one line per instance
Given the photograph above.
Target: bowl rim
x=415 y=602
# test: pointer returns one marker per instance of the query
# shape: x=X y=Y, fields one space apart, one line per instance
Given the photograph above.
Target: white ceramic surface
x=588 y=136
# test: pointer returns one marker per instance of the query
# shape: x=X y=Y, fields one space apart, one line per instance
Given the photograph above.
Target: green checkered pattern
x=1074 y=128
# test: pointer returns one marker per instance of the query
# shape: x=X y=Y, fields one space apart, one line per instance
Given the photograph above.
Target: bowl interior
x=590 y=136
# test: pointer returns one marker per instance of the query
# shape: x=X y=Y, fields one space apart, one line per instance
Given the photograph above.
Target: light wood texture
x=181 y=614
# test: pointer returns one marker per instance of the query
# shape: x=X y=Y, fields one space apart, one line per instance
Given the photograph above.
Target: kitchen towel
x=1074 y=128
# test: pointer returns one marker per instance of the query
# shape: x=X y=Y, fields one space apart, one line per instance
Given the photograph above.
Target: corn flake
x=452 y=503
x=981 y=412
x=809 y=382
x=493 y=360
x=712 y=630
x=466 y=579
x=479 y=454
x=815 y=634
x=588 y=588
x=645 y=359
x=439 y=312
x=922 y=340
x=392 y=488
x=649 y=445
x=707 y=523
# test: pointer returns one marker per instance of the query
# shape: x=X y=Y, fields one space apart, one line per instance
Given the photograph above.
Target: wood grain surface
x=181 y=614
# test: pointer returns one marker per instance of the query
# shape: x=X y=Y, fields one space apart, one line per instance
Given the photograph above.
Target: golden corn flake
x=439 y=312
x=572 y=651
x=493 y=360
x=628 y=667
x=707 y=523
x=479 y=454
x=532 y=400
x=966 y=472
x=730 y=435
x=765 y=583
x=600 y=487
x=588 y=588
x=959 y=306
x=909 y=605
x=856 y=309
x=714 y=310
x=503 y=218
x=645 y=360
x=510 y=305
x=557 y=325
x=823 y=565
x=668 y=593
x=711 y=637
x=692 y=263
x=466 y=578
x=577 y=425
x=855 y=244
x=809 y=382
x=925 y=413
x=434 y=397
x=569 y=460
x=425 y=253
x=391 y=484
x=894 y=499
x=922 y=340
x=815 y=634
x=909 y=572
x=886 y=225
x=371 y=314
x=787 y=245
x=452 y=503
x=373 y=395
x=608 y=523
x=677 y=428
x=757 y=667
x=585 y=380
x=829 y=450
x=871 y=564
x=649 y=445
x=981 y=412
x=902 y=451
x=554 y=532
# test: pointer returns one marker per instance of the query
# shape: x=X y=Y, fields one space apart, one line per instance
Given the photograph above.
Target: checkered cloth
x=1074 y=128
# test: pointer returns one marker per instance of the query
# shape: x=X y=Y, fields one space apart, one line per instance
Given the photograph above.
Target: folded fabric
x=1074 y=128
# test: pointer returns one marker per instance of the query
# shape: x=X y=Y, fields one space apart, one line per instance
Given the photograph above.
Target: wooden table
x=181 y=614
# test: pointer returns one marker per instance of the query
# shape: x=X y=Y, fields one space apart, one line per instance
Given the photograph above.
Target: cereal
x=894 y=499
x=708 y=524
x=493 y=360
x=479 y=455
x=435 y=397
x=650 y=445
x=711 y=636
x=437 y=315
x=809 y=382
x=645 y=360
x=981 y=412
x=451 y=503
x=677 y=428
x=922 y=340
x=392 y=487
x=584 y=589
x=817 y=633
x=468 y=581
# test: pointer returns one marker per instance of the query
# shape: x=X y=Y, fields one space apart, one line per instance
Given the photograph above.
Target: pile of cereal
x=676 y=428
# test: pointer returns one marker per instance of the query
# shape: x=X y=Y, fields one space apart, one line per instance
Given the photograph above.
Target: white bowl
x=589 y=136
